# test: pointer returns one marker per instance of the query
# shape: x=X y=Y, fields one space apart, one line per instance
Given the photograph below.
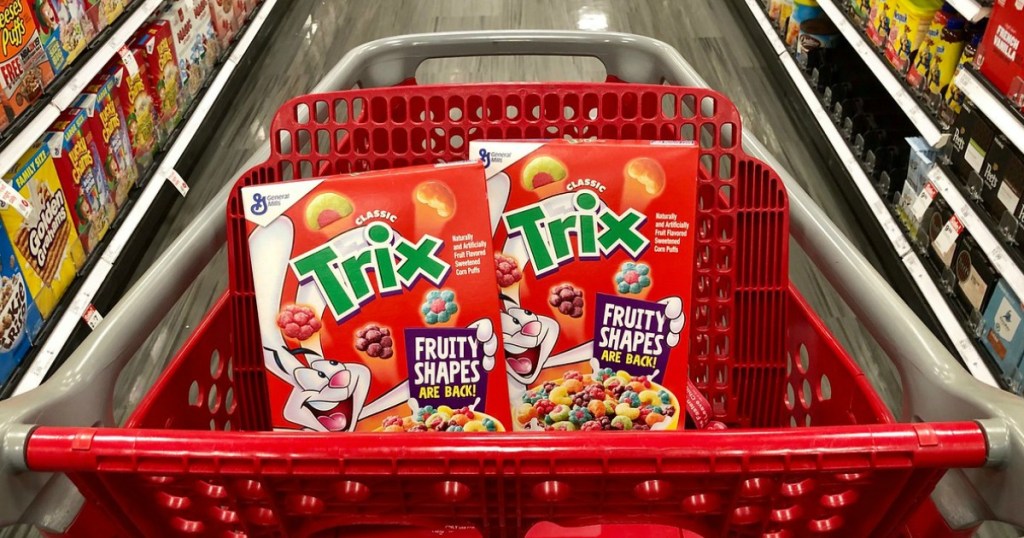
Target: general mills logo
x=259 y=204
x=485 y=156
x=495 y=157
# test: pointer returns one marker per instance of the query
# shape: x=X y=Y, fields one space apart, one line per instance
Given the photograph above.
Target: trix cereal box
x=24 y=69
x=154 y=53
x=80 y=168
x=65 y=30
x=102 y=13
x=375 y=301
x=110 y=132
x=45 y=243
x=593 y=260
x=137 y=109
x=19 y=318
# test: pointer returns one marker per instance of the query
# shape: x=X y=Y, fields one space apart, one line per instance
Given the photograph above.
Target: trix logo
x=395 y=262
x=597 y=231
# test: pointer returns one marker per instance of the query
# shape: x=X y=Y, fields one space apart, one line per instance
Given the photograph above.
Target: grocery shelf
x=110 y=250
x=993 y=105
x=972 y=10
x=82 y=73
x=880 y=209
x=979 y=229
x=922 y=120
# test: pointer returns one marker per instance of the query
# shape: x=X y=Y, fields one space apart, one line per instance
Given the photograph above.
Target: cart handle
x=936 y=387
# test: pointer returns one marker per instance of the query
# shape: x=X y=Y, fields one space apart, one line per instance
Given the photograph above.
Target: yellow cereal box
x=45 y=242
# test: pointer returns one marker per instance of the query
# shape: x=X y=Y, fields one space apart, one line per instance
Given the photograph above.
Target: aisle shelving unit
x=993 y=105
x=103 y=260
x=893 y=84
x=951 y=324
x=43 y=116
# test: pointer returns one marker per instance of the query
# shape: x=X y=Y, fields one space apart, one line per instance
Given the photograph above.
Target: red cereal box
x=155 y=49
x=226 y=20
x=375 y=301
x=594 y=259
x=137 y=106
x=103 y=13
x=110 y=132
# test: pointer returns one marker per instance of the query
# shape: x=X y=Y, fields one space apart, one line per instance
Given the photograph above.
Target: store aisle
x=314 y=35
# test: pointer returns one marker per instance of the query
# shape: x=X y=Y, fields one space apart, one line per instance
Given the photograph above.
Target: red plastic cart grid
x=854 y=472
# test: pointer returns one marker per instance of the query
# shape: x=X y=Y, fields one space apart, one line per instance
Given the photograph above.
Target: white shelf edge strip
x=971 y=9
x=961 y=341
x=893 y=231
x=982 y=234
x=85 y=72
x=766 y=26
x=924 y=123
x=69 y=320
x=992 y=107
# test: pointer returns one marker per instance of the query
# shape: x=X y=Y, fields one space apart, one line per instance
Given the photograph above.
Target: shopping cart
x=813 y=450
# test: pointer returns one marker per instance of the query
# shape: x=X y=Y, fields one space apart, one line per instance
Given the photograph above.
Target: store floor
x=314 y=35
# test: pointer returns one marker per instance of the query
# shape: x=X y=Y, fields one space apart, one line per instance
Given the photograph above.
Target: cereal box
x=154 y=49
x=593 y=257
x=226 y=20
x=80 y=169
x=137 y=107
x=19 y=318
x=102 y=13
x=45 y=242
x=374 y=300
x=196 y=51
x=207 y=44
x=24 y=69
x=110 y=133
x=65 y=30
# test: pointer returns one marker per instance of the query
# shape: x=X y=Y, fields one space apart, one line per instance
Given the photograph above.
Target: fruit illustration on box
x=542 y=171
x=326 y=209
x=648 y=173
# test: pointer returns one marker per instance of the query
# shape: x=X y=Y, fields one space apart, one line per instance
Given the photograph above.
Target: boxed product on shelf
x=103 y=13
x=376 y=301
x=227 y=17
x=975 y=276
x=1002 y=179
x=154 y=49
x=998 y=57
x=932 y=225
x=138 y=107
x=970 y=139
x=65 y=30
x=944 y=241
x=195 y=42
x=25 y=70
x=45 y=243
x=916 y=205
x=903 y=204
x=205 y=36
x=110 y=133
x=879 y=21
x=922 y=158
x=20 y=320
x=1002 y=332
x=583 y=302
x=908 y=27
x=80 y=169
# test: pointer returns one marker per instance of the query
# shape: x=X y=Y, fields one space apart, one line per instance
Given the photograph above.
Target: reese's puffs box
x=594 y=258
x=376 y=302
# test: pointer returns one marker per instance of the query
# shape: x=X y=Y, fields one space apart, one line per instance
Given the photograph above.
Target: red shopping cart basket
x=767 y=364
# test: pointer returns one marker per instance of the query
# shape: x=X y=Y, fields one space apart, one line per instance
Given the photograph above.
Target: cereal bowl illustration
x=543 y=170
x=604 y=400
x=437 y=196
x=13 y=311
x=442 y=419
x=326 y=209
x=648 y=173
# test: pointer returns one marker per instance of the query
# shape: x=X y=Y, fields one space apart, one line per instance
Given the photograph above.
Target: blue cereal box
x=1003 y=333
x=19 y=318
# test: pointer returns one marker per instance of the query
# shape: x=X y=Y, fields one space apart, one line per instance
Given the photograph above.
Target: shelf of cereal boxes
x=972 y=10
x=879 y=208
x=83 y=73
x=80 y=300
x=920 y=117
x=993 y=105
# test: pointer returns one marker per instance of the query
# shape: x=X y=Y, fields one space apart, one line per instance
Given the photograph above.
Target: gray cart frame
x=935 y=386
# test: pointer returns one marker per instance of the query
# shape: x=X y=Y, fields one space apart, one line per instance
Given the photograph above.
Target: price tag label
x=175 y=179
x=923 y=200
x=91 y=317
x=12 y=198
x=128 y=59
x=947 y=237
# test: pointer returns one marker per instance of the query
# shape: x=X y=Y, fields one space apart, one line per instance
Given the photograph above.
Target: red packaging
x=154 y=48
x=110 y=132
x=376 y=301
x=999 y=55
x=226 y=20
x=137 y=105
x=594 y=258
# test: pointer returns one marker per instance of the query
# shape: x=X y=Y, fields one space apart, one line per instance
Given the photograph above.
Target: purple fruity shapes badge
x=446 y=367
x=630 y=335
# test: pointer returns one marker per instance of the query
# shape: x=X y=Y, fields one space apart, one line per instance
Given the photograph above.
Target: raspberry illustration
x=567 y=299
x=507 y=270
x=375 y=341
x=439 y=306
x=633 y=277
x=298 y=321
